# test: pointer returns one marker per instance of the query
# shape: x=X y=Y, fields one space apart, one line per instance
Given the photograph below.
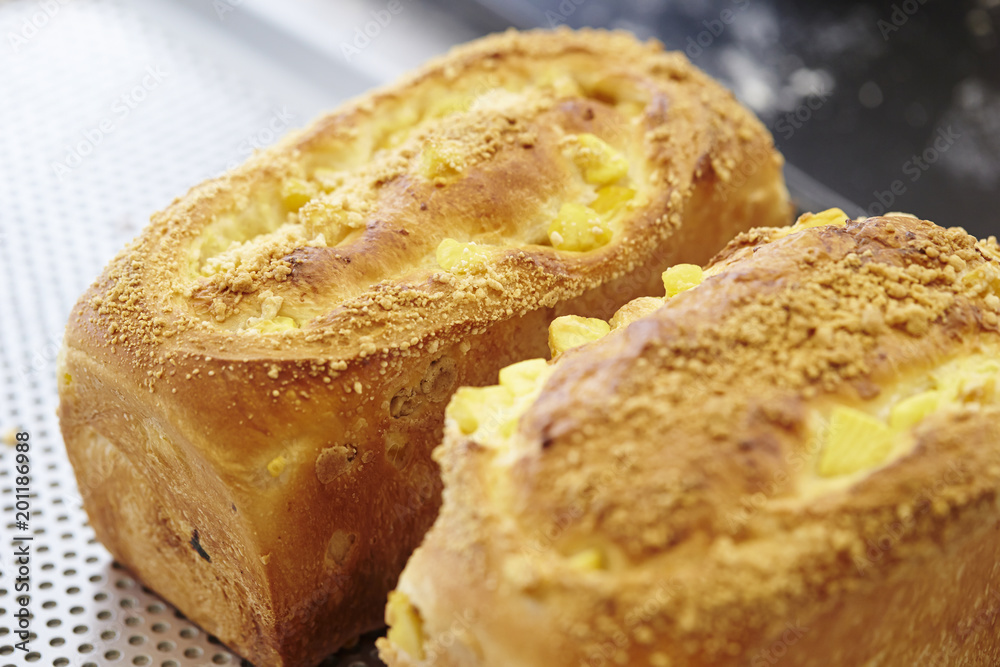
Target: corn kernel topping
x=681 y=277
x=457 y=257
x=571 y=331
x=598 y=162
x=296 y=193
x=855 y=441
x=406 y=628
x=588 y=560
x=578 y=228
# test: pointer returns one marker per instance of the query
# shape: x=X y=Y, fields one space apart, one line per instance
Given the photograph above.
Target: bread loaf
x=794 y=460
x=251 y=391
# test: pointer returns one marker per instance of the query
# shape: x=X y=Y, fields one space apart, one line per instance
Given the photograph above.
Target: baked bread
x=251 y=391
x=794 y=461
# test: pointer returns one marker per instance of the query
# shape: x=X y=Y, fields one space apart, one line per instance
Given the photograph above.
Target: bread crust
x=681 y=447
x=271 y=485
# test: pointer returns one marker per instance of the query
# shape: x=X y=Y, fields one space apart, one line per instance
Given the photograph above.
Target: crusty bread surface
x=795 y=461
x=251 y=391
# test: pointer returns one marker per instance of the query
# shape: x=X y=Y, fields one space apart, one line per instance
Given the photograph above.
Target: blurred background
x=893 y=105
x=111 y=108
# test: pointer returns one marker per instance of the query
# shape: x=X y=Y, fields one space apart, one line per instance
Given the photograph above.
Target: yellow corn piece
x=855 y=441
x=681 y=277
x=508 y=424
x=406 y=628
x=578 y=228
x=571 y=331
x=983 y=277
x=438 y=160
x=277 y=466
x=611 y=198
x=272 y=325
x=831 y=216
x=296 y=193
x=470 y=406
x=912 y=410
x=494 y=412
x=635 y=309
x=458 y=257
x=588 y=560
x=597 y=161
x=521 y=378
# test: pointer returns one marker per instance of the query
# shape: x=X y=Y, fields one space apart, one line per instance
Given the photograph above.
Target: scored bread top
x=331 y=242
x=727 y=375
x=723 y=445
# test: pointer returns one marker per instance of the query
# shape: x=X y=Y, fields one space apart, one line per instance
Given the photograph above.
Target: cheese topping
x=855 y=440
x=571 y=331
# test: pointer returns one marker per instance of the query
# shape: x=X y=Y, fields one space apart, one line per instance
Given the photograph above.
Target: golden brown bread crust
x=271 y=485
x=680 y=447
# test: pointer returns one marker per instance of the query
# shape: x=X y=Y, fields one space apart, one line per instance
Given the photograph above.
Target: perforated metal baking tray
x=108 y=109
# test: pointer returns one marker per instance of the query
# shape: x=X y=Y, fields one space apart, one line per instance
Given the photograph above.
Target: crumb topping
x=340 y=225
x=677 y=451
x=833 y=311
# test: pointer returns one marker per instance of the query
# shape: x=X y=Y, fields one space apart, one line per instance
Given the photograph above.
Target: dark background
x=856 y=94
